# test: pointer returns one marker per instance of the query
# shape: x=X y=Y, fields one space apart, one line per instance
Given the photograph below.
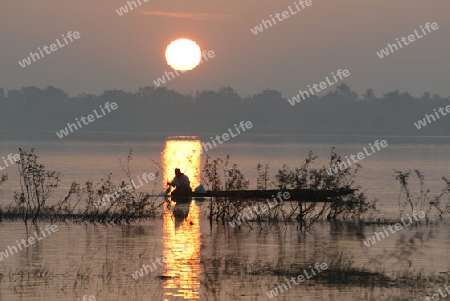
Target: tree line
x=151 y=110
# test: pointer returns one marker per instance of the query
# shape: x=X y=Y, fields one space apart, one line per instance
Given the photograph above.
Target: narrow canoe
x=294 y=194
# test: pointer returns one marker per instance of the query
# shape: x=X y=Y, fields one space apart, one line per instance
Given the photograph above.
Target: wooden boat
x=294 y=194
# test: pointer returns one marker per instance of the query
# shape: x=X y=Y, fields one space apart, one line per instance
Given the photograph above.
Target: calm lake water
x=88 y=160
x=217 y=262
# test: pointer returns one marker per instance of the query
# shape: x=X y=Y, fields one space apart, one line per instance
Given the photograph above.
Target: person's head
x=177 y=172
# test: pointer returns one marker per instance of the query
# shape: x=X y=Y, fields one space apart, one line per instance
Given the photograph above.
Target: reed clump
x=37 y=184
x=231 y=179
x=421 y=200
x=222 y=175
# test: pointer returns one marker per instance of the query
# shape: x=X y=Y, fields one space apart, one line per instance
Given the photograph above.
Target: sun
x=183 y=54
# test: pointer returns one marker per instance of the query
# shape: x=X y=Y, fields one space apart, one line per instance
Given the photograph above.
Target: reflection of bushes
x=341 y=270
x=391 y=268
x=303 y=177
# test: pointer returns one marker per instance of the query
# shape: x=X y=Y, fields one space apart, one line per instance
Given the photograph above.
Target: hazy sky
x=127 y=52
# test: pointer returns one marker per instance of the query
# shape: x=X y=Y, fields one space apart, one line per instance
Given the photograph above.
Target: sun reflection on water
x=181 y=225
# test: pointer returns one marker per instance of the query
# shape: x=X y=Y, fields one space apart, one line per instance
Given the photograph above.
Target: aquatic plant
x=308 y=177
x=81 y=202
x=263 y=177
x=423 y=201
x=36 y=184
x=305 y=213
x=233 y=179
x=3 y=179
x=128 y=205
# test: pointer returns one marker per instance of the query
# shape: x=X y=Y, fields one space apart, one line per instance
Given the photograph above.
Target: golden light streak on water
x=181 y=241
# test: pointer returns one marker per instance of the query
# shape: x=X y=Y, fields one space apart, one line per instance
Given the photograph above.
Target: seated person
x=181 y=183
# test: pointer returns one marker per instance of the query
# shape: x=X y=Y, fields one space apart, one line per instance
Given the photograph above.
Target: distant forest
x=29 y=111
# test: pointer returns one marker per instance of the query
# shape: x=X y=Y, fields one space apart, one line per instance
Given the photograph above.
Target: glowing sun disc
x=183 y=54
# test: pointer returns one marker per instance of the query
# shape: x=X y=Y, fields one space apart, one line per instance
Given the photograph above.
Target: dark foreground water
x=203 y=262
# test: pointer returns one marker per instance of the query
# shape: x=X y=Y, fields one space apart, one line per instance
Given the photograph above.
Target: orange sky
x=126 y=52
